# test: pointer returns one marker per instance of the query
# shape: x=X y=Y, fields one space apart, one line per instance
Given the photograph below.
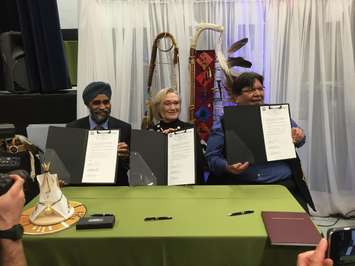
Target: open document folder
x=257 y=134
x=82 y=156
x=171 y=158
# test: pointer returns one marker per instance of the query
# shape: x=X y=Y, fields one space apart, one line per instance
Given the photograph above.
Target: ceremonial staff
x=148 y=116
x=199 y=29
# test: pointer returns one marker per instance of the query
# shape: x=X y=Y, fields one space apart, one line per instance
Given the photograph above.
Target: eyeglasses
x=98 y=102
x=157 y=218
x=252 y=90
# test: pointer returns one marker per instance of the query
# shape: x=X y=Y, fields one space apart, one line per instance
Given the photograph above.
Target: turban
x=95 y=88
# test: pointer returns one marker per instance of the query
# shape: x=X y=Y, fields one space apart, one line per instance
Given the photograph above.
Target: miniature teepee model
x=52 y=207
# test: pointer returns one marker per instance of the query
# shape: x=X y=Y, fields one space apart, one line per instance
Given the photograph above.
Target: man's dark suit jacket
x=125 y=136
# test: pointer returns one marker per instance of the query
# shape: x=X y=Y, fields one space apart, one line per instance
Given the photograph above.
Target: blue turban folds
x=95 y=88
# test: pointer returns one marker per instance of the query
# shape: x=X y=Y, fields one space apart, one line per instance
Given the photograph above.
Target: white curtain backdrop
x=116 y=38
x=310 y=64
x=304 y=48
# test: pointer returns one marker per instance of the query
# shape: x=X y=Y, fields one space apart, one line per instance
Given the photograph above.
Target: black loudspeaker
x=13 y=63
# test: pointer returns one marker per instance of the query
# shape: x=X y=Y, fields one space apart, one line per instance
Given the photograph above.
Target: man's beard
x=100 y=116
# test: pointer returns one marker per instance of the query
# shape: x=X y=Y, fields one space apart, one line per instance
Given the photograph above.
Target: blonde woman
x=166 y=107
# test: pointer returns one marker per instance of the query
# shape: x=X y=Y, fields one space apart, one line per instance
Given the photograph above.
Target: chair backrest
x=37 y=134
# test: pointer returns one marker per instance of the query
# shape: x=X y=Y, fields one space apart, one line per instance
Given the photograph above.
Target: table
x=200 y=233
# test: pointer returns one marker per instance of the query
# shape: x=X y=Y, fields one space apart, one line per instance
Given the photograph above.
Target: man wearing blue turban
x=97 y=97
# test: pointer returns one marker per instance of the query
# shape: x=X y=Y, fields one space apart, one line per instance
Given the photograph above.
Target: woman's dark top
x=177 y=124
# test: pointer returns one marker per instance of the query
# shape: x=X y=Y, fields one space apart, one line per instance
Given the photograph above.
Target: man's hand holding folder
x=237 y=168
x=122 y=149
x=297 y=135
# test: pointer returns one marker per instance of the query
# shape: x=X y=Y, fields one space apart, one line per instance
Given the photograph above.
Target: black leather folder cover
x=152 y=146
x=66 y=151
x=244 y=139
x=66 y=148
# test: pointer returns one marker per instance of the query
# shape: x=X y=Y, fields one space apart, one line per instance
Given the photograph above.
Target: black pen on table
x=157 y=218
x=240 y=213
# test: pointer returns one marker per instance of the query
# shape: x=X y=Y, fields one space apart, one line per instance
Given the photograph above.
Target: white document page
x=276 y=125
x=181 y=157
x=101 y=156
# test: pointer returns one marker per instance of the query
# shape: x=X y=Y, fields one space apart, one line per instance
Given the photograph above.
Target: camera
x=341 y=245
x=9 y=159
x=5 y=183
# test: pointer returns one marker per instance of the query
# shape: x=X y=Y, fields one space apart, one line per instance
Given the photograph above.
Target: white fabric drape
x=310 y=64
x=116 y=38
x=304 y=48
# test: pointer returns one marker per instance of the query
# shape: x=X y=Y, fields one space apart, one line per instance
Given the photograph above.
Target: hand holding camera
x=12 y=201
x=339 y=250
x=341 y=245
x=315 y=257
x=5 y=183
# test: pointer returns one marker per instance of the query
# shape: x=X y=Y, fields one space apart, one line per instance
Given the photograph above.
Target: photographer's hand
x=315 y=257
x=11 y=204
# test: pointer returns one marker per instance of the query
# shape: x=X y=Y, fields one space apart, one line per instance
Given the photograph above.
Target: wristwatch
x=14 y=233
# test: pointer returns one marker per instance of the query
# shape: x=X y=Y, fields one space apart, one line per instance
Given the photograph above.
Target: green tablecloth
x=200 y=233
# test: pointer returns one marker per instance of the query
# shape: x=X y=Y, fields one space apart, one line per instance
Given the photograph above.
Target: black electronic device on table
x=96 y=221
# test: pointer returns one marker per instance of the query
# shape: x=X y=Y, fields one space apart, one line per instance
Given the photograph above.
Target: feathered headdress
x=227 y=65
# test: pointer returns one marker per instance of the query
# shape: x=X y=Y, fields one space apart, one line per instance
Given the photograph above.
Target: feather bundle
x=237 y=45
x=238 y=61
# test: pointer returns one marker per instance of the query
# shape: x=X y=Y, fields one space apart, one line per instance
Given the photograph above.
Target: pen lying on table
x=240 y=213
x=157 y=218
